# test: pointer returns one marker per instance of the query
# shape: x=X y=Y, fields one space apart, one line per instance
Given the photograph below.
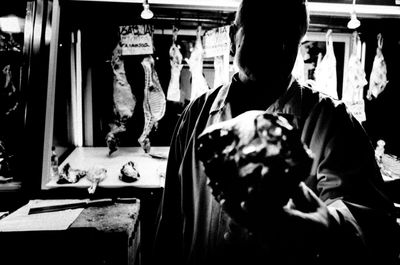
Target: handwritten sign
x=216 y=42
x=136 y=39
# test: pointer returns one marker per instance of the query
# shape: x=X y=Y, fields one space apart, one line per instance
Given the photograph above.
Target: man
x=350 y=220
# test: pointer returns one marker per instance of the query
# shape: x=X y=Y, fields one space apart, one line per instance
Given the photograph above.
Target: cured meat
x=253 y=161
x=325 y=72
x=175 y=58
x=199 y=84
x=154 y=102
x=378 y=79
x=124 y=100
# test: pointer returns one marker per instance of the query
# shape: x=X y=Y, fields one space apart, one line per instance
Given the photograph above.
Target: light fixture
x=146 y=13
x=354 y=22
x=11 y=24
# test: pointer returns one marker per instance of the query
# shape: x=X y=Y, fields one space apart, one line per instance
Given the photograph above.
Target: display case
x=89 y=124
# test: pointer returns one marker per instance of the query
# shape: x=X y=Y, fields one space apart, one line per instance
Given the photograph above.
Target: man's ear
x=232 y=34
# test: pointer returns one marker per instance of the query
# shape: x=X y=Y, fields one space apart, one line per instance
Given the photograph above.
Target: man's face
x=266 y=55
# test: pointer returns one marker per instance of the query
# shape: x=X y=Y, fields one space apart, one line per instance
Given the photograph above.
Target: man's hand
x=307 y=208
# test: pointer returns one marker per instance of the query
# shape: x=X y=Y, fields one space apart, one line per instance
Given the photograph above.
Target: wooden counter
x=100 y=235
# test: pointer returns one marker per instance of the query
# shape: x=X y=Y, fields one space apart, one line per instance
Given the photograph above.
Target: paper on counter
x=20 y=220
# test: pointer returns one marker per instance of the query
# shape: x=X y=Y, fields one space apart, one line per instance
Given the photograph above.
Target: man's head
x=268 y=38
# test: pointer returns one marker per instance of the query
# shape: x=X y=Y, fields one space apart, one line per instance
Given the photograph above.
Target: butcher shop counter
x=151 y=167
x=95 y=235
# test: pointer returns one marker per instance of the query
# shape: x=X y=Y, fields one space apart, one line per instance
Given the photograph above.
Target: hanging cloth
x=153 y=103
x=298 y=69
x=199 y=84
x=378 y=79
x=353 y=91
x=325 y=72
x=124 y=100
x=175 y=59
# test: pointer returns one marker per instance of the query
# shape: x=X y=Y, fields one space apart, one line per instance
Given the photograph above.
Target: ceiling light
x=11 y=24
x=146 y=13
x=354 y=22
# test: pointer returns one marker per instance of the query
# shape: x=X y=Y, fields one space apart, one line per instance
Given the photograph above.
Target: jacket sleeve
x=345 y=176
x=168 y=243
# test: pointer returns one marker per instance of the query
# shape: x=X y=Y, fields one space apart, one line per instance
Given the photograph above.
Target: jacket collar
x=288 y=103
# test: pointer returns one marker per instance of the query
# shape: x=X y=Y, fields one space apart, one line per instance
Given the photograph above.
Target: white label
x=216 y=42
x=136 y=39
x=357 y=108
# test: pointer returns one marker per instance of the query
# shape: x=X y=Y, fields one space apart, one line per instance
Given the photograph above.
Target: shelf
x=151 y=170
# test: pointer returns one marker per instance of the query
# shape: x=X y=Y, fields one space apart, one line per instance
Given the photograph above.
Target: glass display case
x=109 y=118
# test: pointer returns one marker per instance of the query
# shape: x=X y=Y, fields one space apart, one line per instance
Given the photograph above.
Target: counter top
x=150 y=167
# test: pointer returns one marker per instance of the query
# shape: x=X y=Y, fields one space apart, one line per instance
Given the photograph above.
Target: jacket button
x=227 y=236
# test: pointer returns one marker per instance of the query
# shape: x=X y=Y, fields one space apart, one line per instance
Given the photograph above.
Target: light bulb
x=11 y=24
x=354 y=22
x=146 y=13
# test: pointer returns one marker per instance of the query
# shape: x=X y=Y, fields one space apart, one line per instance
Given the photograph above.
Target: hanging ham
x=124 y=100
x=199 y=84
x=325 y=72
x=378 y=79
x=154 y=102
x=175 y=58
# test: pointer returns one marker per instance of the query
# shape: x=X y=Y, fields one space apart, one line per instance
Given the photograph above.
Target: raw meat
x=253 y=161
x=175 y=58
x=378 y=79
x=124 y=100
x=325 y=72
x=353 y=91
x=195 y=62
x=154 y=102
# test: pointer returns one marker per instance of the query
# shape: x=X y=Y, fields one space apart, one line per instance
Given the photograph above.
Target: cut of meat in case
x=154 y=102
x=124 y=100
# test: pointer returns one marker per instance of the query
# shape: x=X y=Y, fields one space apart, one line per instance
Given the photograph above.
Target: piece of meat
x=254 y=161
x=353 y=89
x=154 y=102
x=129 y=172
x=199 y=84
x=95 y=175
x=325 y=72
x=378 y=78
x=124 y=100
x=70 y=175
x=175 y=59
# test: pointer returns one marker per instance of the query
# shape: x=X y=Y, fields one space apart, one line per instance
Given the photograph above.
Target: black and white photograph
x=199 y=132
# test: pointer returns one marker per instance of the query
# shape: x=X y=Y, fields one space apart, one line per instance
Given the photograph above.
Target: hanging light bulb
x=146 y=13
x=354 y=22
